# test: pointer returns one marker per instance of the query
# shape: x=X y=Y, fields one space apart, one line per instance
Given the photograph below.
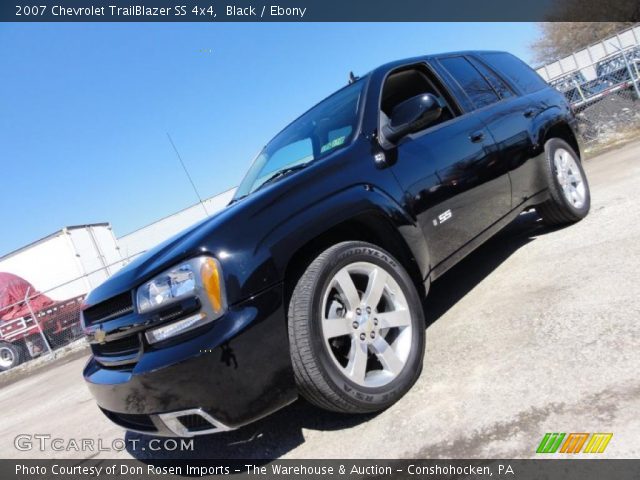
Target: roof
x=423 y=58
x=52 y=235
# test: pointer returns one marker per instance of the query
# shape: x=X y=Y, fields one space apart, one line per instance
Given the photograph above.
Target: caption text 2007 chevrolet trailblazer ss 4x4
x=310 y=282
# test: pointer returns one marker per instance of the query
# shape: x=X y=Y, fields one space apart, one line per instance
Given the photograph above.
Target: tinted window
x=474 y=84
x=501 y=88
x=515 y=70
x=407 y=83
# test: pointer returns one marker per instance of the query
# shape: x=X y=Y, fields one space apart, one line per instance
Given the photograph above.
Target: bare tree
x=559 y=39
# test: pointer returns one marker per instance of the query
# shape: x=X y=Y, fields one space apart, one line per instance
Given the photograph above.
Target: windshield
x=325 y=128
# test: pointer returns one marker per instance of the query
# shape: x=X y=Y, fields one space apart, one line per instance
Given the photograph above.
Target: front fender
x=356 y=201
x=266 y=262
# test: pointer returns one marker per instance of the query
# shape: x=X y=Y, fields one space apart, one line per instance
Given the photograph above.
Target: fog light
x=174 y=328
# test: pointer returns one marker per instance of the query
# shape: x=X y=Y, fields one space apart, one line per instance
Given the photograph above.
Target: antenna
x=187 y=173
x=352 y=78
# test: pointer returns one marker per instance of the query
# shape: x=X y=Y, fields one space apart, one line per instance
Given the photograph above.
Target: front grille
x=118 y=353
x=117 y=348
x=194 y=423
x=112 y=308
x=131 y=421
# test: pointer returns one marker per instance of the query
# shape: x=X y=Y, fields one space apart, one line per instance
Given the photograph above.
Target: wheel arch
x=562 y=130
x=372 y=227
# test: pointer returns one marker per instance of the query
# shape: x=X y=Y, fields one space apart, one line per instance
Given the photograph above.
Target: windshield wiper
x=234 y=200
x=280 y=174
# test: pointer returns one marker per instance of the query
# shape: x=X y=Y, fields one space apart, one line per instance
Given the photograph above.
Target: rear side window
x=501 y=88
x=475 y=86
x=515 y=70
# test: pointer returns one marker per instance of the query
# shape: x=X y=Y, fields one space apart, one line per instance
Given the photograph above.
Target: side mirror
x=411 y=116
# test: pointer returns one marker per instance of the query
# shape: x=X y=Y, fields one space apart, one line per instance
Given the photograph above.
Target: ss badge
x=443 y=217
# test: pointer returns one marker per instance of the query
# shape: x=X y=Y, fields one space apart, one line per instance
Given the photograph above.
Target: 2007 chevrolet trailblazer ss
x=310 y=282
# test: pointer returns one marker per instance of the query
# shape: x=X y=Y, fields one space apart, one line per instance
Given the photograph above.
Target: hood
x=186 y=244
x=239 y=228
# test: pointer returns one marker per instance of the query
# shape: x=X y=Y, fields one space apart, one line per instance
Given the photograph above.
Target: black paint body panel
x=237 y=369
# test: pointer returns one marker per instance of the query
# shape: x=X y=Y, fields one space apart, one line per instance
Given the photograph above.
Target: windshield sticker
x=333 y=144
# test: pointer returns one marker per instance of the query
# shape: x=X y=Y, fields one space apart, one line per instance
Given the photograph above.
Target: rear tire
x=570 y=197
x=11 y=355
x=356 y=330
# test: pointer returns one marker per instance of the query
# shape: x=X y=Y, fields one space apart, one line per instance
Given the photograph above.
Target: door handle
x=476 y=137
x=529 y=112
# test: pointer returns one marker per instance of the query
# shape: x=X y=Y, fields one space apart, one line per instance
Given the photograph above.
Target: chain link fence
x=43 y=325
x=602 y=84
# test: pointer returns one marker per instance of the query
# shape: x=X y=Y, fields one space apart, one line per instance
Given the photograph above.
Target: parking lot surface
x=536 y=331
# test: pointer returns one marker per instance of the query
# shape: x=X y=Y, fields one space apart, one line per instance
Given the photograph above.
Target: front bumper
x=234 y=371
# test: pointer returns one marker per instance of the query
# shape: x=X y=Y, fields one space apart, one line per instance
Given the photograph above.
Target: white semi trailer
x=69 y=262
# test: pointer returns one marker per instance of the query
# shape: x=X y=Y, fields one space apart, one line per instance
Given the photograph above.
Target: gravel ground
x=537 y=331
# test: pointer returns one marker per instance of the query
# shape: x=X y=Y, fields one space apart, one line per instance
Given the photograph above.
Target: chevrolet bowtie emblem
x=99 y=335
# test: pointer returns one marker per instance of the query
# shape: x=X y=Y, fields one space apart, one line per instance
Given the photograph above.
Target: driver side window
x=409 y=82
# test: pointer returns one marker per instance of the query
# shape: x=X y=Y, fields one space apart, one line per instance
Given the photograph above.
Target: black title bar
x=105 y=469
x=317 y=10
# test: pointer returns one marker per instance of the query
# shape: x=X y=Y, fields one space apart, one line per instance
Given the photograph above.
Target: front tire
x=11 y=355
x=570 y=197
x=356 y=329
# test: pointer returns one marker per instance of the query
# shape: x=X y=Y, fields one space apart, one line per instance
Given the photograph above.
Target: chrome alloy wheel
x=366 y=324
x=569 y=177
x=7 y=357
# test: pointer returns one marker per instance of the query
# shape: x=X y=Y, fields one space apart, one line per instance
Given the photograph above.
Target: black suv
x=311 y=281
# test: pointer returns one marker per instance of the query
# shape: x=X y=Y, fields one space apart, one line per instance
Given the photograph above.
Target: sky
x=85 y=108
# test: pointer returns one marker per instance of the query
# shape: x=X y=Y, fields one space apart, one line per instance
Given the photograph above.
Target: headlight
x=200 y=277
x=167 y=287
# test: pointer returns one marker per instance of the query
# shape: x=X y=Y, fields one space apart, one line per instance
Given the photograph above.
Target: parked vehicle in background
x=311 y=281
x=21 y=335
x=579 y=92
x=616 y=72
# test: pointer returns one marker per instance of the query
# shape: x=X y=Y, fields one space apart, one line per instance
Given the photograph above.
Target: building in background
x=69 y=262
x=141 y=240
x=602 y=84
x=586 y=60
x=76 y=259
